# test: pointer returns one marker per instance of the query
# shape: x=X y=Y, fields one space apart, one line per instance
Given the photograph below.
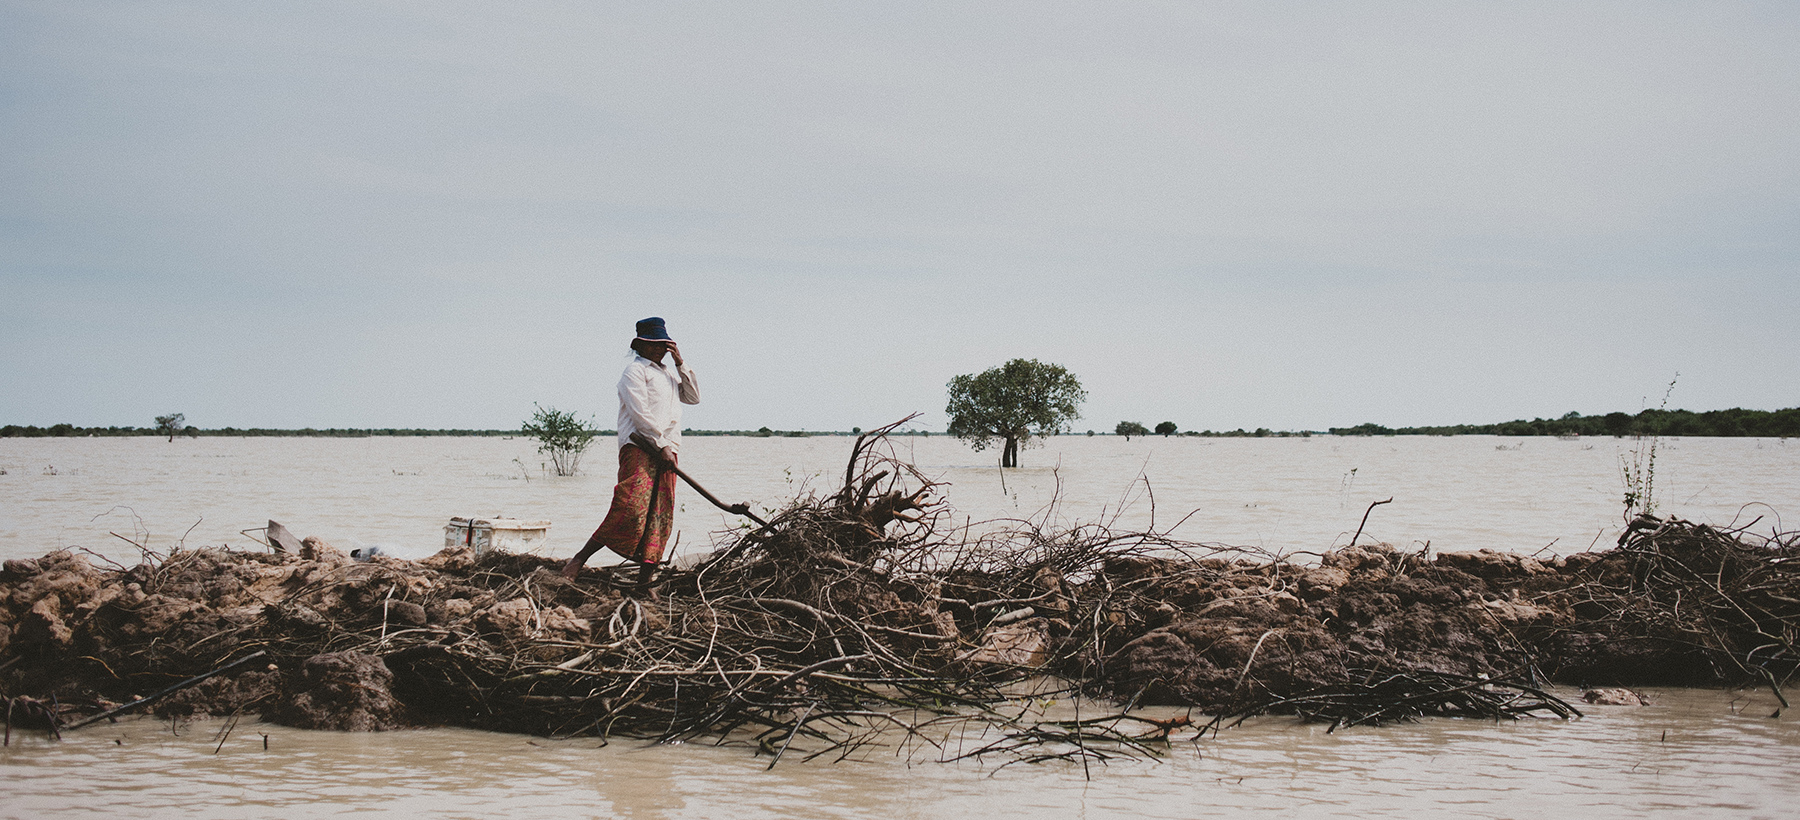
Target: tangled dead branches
x=1723 y=600
x=1385 y=697
x=864 y=620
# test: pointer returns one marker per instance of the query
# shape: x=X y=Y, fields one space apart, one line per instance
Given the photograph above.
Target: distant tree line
x=1655 y=421
x=1734 y=422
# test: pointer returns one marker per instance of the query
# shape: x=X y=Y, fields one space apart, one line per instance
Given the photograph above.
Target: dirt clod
x=349 y=691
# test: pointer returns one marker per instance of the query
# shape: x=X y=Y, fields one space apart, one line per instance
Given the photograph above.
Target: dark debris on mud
x=859 y=617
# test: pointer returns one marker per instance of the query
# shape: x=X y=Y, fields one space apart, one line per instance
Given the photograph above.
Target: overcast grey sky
x=1292 y=215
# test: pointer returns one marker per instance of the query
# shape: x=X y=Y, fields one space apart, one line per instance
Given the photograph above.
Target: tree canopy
x=1013 y=403
x=1129 y=429
x=171 y=424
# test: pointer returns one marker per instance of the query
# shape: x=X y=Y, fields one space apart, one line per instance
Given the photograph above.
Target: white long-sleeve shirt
x=650 y=399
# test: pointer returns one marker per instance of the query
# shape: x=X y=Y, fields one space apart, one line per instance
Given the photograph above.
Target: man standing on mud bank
x=650 y=398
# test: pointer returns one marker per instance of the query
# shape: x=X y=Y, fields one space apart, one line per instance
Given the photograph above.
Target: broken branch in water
x=1406 y=696
x=144 y=701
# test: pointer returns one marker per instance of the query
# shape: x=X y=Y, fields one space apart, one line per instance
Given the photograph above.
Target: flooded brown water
x=1692 y=754
x=1456 y=493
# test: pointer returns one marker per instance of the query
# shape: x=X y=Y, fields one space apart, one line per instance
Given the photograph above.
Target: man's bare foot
x=572 y=569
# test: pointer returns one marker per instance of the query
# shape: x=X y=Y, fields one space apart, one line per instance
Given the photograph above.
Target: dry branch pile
x=861 y=620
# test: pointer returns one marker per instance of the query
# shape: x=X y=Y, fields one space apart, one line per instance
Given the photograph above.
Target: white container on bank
x=506 y=534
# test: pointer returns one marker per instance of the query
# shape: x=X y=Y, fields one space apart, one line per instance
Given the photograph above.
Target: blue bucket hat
x=653 y=330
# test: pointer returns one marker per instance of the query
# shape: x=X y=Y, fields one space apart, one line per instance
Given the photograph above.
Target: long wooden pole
x=644 y=443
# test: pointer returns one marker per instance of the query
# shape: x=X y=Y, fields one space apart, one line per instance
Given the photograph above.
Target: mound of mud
x=340 y=690
x=92 y=636
x=381 y=645
x=858 y=602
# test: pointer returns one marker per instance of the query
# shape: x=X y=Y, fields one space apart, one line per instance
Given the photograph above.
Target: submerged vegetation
x=1638 y=468
x=1013 y=404
x=561 y=435
x=171 y=424
x=866 y=619
x=1129 y=429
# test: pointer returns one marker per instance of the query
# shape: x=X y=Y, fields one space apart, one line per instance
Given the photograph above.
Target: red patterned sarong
x=643 y=508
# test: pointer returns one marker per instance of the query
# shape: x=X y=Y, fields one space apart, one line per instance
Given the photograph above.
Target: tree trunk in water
x=1009 y=457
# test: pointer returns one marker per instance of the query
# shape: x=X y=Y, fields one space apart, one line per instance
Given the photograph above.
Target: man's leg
x=646 y=579
x=642 y=515
x=624 y=521
x=658 y=519
x=572 y=569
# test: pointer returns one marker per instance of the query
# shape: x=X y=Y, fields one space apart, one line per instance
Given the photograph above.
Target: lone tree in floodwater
x=1129 y=429
x=1165 y=429
x=171 y=424
x=1013 y=403
x=561 y=436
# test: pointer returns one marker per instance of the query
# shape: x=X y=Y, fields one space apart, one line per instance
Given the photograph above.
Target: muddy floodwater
x=1698 y=754
x=1455 y=493
x=1692 y=753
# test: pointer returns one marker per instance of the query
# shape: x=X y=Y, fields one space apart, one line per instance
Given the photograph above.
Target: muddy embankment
x=853 y=614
